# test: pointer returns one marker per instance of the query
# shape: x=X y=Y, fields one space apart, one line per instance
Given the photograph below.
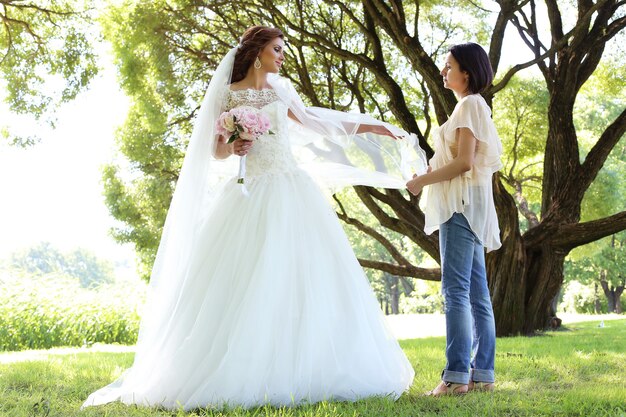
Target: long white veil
x=326 y=144
x=178 y=240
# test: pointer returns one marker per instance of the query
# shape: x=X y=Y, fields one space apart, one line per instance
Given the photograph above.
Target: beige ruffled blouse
x=470 y=193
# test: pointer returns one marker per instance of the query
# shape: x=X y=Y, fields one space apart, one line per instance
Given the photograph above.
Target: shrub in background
x=49 y=310
x=578 y=298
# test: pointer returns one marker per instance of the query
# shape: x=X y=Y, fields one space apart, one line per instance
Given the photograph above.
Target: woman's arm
x=377 y=129
x=462 y=163
x=362 y=128
x=293 y=116
x=223 y=150
x=238 y=147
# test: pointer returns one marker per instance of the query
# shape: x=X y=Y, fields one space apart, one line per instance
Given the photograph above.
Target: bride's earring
x=257 y=63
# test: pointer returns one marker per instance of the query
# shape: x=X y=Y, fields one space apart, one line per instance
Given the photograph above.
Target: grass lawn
x=580 y=371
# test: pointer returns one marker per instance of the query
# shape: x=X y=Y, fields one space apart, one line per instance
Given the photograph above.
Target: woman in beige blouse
x=459 y=202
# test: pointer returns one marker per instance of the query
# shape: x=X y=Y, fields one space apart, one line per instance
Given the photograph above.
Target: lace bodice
x=249 y=97
x=271 y=153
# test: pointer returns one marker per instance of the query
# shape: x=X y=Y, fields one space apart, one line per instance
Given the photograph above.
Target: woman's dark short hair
x=473 y=59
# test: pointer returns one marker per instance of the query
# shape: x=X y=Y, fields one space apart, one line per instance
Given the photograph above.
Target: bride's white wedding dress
x=277 y=310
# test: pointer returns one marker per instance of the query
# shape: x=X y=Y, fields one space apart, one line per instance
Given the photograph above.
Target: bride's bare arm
x=378 y=129
x=293 y=116
x=362 y=128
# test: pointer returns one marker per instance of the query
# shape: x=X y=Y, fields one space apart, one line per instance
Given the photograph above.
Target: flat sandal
x=448 y=388
x=481 y=386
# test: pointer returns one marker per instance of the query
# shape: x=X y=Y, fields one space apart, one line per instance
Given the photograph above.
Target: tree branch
x=352 y=16
x=556 y=22
x=497 y=36
x=410 y=221
x=570 y=236
x=597 y=156
x=522 y=204
x=426 y=110
x=613 y=29
x=43 y=10
x=559 y=40
x=25 y=25
x=443 y=99
x=395 y=253
x=403 y=271
x=515 y=69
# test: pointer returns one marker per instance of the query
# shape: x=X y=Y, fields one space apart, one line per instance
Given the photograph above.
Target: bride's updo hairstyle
x=251 y=43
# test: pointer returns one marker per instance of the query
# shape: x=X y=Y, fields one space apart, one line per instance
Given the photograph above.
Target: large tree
x=380 y=57
x=46 y=56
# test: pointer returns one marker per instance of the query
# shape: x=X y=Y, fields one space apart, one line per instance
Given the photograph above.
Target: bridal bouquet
x=245 y=123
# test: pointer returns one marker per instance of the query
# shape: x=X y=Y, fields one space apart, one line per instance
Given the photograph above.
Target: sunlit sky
x=53 y=192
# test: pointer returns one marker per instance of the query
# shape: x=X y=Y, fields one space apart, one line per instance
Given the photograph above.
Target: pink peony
x=242 y=122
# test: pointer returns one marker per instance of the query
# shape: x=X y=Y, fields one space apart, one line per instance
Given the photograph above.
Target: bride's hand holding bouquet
x=246 y=124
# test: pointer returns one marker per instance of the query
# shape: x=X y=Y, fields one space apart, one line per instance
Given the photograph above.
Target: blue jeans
x=470 y=326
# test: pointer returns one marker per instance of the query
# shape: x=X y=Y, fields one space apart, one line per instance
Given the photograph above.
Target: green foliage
x=599 y=103
x=582 y=270
x=587 y=266
x=165 y=52
x=426 y=299
x=414 y=296
x=601 y=100
x=141 y=206
x=156 y=130
x=91 y=271
x=41 y=259
x=53 y=310
x=46 y=55
x=574 y=373
x=521 y=119
x=606 y=258
x=81 y=263
x=579 y=298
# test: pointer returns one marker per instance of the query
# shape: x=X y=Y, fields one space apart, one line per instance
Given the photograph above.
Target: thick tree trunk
x=618 y=298
x=523 y=285
x=527 y=272
x=524 y=277
x=555 y=302
x=544 y=280
x=610 y=296
x=506 y=267
x=395 y=295
x=392 y=293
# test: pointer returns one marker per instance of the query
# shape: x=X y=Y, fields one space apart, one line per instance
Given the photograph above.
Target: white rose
x=229 y=123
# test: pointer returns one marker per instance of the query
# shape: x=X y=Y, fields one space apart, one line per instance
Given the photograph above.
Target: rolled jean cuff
x=483 y=375
x=455 y=377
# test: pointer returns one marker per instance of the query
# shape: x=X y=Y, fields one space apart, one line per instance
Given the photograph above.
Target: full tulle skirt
x=275 y=309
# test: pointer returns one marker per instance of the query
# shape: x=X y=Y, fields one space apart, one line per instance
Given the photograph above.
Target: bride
x=257 y=297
